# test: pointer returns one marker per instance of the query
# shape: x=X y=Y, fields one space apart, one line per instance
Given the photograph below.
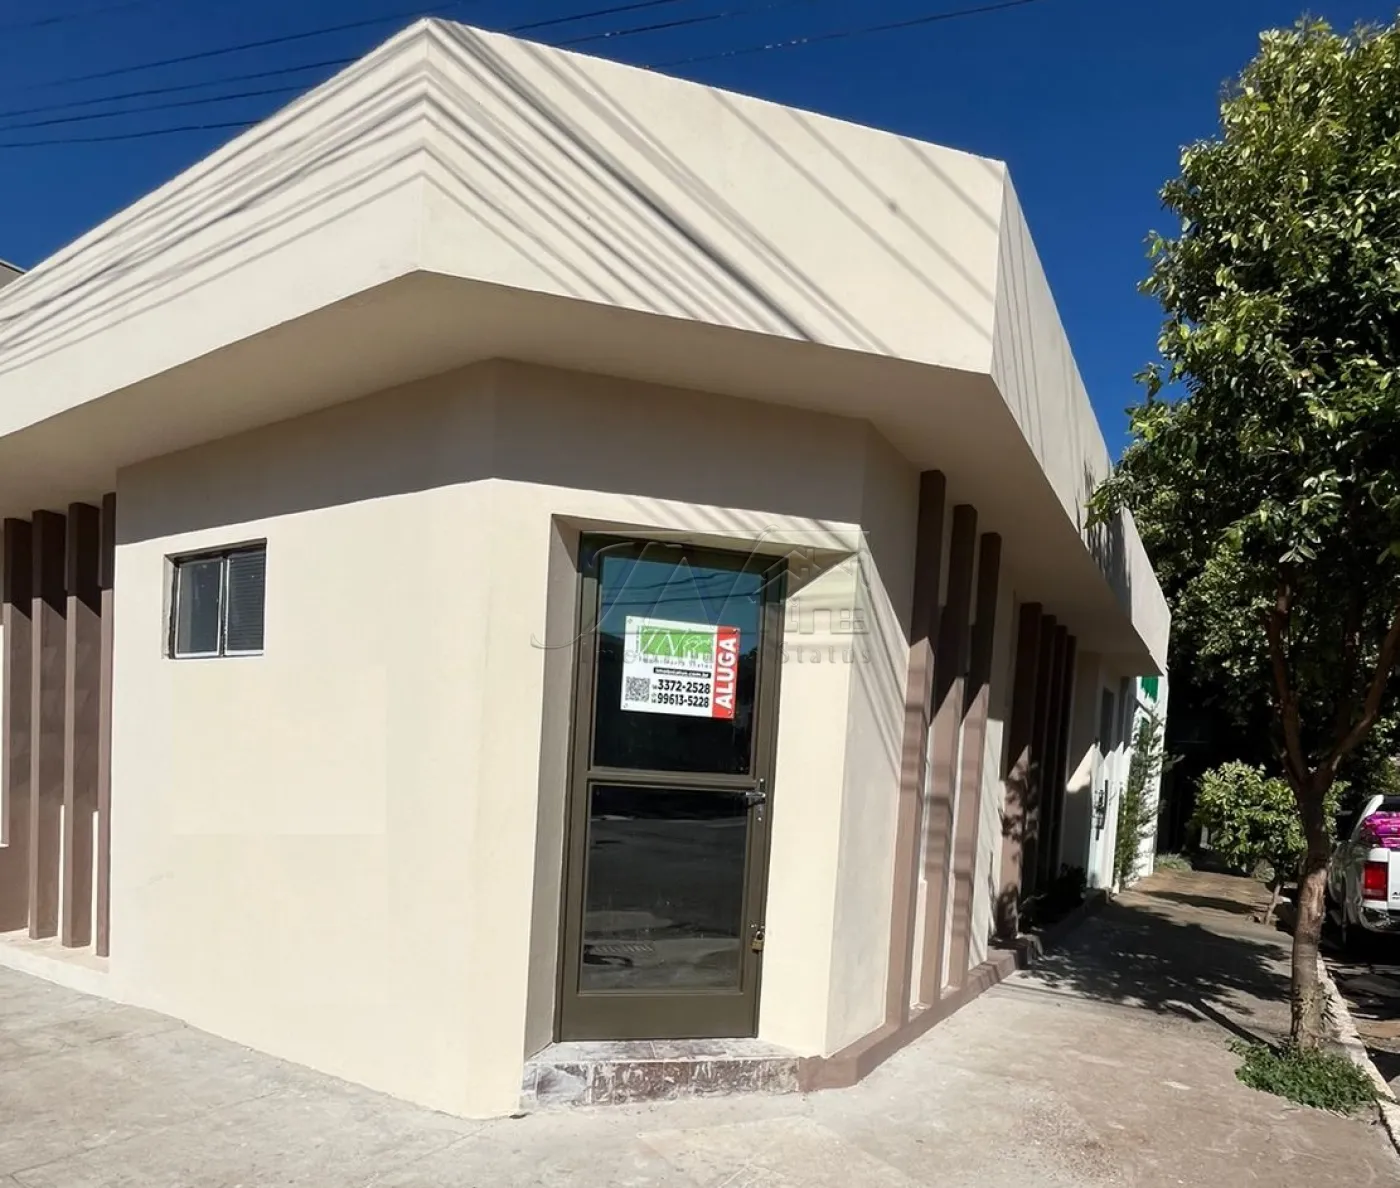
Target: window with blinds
x=217 y=603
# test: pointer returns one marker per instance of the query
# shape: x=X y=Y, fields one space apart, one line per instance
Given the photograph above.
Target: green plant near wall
x=1136 y=818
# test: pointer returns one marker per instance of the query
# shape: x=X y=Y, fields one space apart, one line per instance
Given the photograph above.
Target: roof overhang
x=459 y=196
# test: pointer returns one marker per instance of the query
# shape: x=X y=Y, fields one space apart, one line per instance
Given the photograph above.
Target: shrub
x=1173 y=862
x=1136 y=820
x=1309 y=1076
x=1253 y=822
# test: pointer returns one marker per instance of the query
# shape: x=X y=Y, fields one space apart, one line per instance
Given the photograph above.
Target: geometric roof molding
x=459 y=195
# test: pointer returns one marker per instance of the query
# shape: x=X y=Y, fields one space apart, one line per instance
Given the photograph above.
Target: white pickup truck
x=1363 y=879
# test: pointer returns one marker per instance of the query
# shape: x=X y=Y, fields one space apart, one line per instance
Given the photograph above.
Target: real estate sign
x=672 y=667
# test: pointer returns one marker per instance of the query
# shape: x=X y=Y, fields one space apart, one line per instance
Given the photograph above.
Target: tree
x=1265 y=448
x=1253 y=818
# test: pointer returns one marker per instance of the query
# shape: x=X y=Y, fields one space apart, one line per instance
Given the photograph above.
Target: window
x=217 y=603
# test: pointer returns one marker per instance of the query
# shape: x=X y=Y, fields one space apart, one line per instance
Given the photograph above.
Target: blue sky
x=1088 y=101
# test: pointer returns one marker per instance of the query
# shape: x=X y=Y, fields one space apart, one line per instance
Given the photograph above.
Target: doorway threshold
x=619 y=1072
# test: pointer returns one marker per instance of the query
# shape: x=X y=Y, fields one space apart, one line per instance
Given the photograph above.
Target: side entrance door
x=675 y=710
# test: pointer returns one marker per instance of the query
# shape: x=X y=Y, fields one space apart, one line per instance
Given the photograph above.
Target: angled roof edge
x=477 y=156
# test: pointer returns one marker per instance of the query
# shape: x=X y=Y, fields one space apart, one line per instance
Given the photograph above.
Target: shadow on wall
x=1107 y=542
x=1021 y=805
x=1133 y=955
x=481 y=423
x=38 y=317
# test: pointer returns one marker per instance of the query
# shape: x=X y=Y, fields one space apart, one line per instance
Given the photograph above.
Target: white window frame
x=222 y=555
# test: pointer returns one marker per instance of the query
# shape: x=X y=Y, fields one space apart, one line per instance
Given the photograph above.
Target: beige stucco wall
x=346 y=851
x=1083 y=766
x=989 y=832
x=1036 y=373
x=876 y=656
x=293 y=855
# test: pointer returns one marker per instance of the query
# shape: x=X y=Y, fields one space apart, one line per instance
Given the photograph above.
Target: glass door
x=674 y=716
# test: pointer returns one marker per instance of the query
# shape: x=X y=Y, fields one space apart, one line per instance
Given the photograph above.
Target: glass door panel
x=674 y=716
x=664 y=906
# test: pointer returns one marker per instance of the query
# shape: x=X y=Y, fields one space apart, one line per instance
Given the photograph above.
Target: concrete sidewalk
x=1107 y=1066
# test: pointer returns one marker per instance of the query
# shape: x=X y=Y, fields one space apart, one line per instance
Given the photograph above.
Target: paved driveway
x=1106 y=1067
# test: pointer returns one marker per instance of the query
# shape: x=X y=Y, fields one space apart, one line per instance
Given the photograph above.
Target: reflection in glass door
x=674 y=718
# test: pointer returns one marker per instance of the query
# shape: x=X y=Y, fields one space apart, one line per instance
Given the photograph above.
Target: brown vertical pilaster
x=976 y=705
x=1020 y=735
x=18 y=594
x=948 y=665
x=1059 y=756
x=918 y=708
x=1044 y=691
x=106 y=573
x=81 y=701
x=46 y=721
x=1050 y=763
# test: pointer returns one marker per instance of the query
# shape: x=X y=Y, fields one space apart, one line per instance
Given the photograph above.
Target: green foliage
x=1372 y=771
x=1263 y=474
x=1136 y=821
x=1311 y=1077
x=1253 y=818
x=1173 y=862
x=1383 y=778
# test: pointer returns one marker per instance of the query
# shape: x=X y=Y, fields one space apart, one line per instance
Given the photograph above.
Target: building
x=516 y=551
x=8 y=272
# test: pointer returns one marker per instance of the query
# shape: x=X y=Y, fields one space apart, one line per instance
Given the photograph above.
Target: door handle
x=756 y=796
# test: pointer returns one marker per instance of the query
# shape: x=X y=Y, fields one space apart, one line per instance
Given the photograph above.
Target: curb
x=1349 y=1040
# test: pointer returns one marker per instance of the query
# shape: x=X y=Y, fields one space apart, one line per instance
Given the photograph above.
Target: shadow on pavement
x=1387 y=1063
x=1213 y=902
x=1137 y=955
x=1368 y=977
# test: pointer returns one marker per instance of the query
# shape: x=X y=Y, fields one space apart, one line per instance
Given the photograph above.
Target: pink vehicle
x=1363 y=880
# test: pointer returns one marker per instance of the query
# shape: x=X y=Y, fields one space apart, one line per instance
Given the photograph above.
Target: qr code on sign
x=638 y=689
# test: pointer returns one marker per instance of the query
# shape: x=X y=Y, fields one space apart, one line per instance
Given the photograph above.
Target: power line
x=284 y=39
x=792 y=43
x=109 y=136
x=265 y=91
x=64 y=18
x=124 y=111
x=701 y=19
x=584 y=16
x=844 y=34
x=177 y=88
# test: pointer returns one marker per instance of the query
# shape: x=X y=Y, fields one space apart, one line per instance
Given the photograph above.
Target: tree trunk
x=1275 y=886
x=1308 y=1025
